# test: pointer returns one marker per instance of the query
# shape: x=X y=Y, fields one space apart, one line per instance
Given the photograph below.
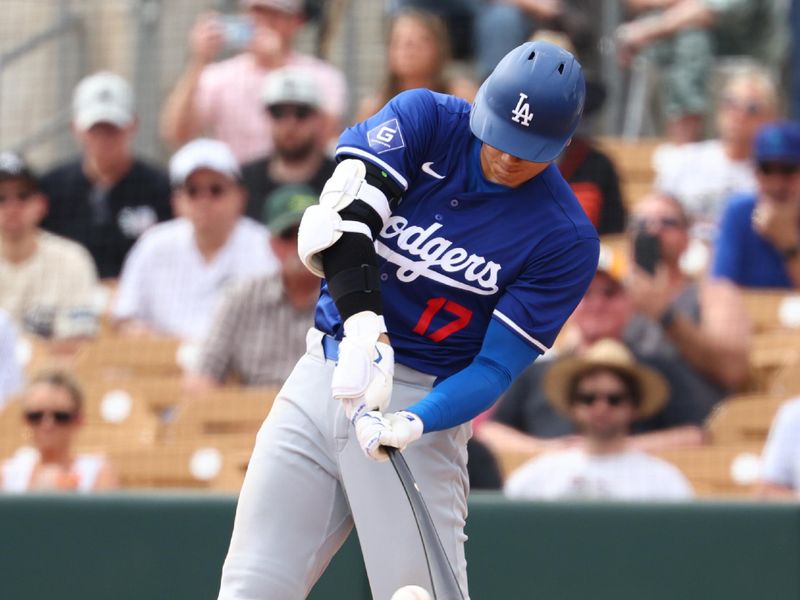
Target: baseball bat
x=443 y=577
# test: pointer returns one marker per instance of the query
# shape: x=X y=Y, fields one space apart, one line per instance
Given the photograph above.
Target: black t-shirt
x=593 y=178
x=526 y=408
x=259 y=185
x=107 y=222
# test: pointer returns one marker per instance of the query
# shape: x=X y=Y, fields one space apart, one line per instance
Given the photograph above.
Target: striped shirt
x=257 y=335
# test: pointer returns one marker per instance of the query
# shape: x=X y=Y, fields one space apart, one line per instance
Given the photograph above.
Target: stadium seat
x=743 y=420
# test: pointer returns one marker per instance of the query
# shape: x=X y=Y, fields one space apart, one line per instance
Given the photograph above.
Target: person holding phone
x=223 y=99
x=703 y=322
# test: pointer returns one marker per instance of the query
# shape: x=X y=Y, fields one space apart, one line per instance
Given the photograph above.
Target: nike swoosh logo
x=426 y=168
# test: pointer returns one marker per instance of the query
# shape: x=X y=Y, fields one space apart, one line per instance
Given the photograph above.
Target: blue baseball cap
x=778 y=142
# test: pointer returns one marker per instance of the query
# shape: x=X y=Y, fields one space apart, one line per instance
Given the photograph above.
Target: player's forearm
x=179 y=121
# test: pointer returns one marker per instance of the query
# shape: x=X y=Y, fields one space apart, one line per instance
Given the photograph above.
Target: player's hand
x=362 y=379
x=375 y=430
x=206 y=38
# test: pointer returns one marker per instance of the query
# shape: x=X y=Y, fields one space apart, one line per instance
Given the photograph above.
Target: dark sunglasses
x=290 y=233
x=298 y=111
x=23 y=196
x=215 y=190
x=60 y=417
x=777 y=168
x=642 y=224
x=749 y=108
x=589 y=398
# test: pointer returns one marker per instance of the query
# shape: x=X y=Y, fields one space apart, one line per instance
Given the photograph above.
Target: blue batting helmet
x=531 y=104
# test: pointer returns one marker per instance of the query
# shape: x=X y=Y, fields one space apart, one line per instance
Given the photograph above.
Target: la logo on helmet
x=522 y=113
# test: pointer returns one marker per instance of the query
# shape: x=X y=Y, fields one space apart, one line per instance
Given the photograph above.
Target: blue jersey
x=458 y=250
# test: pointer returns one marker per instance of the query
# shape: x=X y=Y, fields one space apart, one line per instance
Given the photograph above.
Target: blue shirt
x=742 y=255
x=459 y=251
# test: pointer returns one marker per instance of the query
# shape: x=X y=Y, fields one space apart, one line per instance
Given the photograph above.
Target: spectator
x=524 y=419
x=759 y=239
x=262 y=323
x=702 y=323
x=780 y=464
x=106 y=198
x=603 y=394
x=176 y=274
x=292 y=99
x=223 y=99
x=702 y=175
x=46 y=281
x=10 y=370
x=52 y=408
x=683 y=37
x=418 y=55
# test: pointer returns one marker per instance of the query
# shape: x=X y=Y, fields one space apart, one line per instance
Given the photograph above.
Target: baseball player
x=452 y=251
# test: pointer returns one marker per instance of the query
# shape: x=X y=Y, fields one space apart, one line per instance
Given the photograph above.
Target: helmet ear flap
x=532 y=102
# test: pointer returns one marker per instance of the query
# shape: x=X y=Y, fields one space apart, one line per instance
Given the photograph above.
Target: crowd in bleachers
x=148 y=312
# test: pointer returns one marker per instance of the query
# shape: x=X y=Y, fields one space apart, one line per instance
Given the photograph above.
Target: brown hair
x=435 y=26
x=63 y=380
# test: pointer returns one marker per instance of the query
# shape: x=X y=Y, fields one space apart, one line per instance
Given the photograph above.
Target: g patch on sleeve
x=385 y=137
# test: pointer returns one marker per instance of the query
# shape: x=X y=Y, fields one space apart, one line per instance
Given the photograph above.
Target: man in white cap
x=175 y=275
x=105 y=198
x=223 y=99
x=292 y=100
x=603 y=393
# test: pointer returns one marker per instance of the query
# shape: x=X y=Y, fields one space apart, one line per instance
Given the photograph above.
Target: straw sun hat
x=609 y=354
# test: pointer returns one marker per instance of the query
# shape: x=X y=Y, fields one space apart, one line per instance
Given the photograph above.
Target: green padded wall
x=171 y=546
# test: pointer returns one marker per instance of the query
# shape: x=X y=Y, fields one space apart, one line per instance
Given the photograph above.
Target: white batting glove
x=362 y=378
x=375 y=430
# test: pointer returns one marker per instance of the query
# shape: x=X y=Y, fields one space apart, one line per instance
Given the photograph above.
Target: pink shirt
x=228 y=100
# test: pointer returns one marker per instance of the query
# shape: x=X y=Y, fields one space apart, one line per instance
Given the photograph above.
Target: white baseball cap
x=290 y=85
x=294 y=7
x=203 y=153
x=102 y=98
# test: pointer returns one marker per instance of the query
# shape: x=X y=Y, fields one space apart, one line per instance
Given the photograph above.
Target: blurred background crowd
x=156 y=157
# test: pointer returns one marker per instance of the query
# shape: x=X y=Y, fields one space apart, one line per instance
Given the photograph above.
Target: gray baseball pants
x=308 y=483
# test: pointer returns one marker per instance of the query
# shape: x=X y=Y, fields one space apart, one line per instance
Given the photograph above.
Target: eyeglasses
x=22 y=196
x=215 y=190
x=589 y=398
x=751 y=108
x=778 y=168
x=643 y=223
x=60 y=417
x=298 y=111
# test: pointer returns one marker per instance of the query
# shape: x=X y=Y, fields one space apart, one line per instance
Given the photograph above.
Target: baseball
x=411 y=592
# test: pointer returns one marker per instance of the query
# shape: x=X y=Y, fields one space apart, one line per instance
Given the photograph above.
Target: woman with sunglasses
x=603 y=393
x=52 y=411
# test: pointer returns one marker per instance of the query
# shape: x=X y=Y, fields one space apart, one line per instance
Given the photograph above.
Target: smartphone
x=647 y=251
x=237 y=31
